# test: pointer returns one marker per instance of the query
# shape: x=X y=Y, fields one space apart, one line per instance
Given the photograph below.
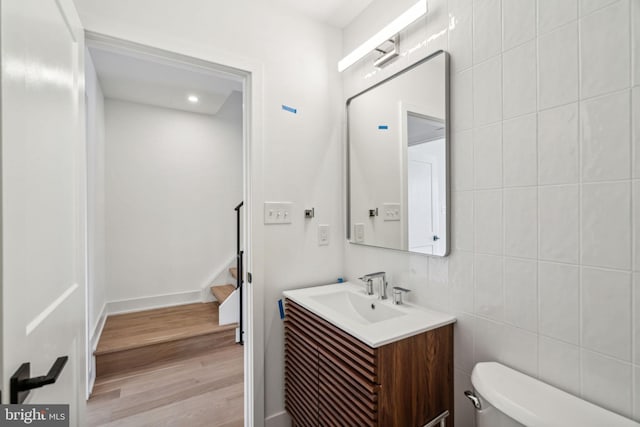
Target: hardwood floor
x=205 y=390
x=134 y=340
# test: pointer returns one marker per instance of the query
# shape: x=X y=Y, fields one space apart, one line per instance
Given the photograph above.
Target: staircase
x=227 y=297
x=138 y=340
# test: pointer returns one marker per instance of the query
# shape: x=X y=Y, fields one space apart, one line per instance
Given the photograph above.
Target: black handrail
x=239 y=266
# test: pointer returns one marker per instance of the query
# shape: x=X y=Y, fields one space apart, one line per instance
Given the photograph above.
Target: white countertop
x=411 y=321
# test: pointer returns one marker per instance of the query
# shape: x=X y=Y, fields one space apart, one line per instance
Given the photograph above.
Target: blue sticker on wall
x=383 y=127
x=289 y=109
x=281 y=308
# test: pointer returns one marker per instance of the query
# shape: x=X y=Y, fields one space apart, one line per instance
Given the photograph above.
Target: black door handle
x=21 y=383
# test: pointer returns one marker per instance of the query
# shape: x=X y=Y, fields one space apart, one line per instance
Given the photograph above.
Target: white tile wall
x=606 y=225
x=558 y=66
x=605 y=300
x=519 y=22
x=546 y=197
x=519 y=151
x=520 y=222
x=605 y=145
x=559 y=306
x=519 y=80
x=604 y=49
x=607 y=381
x=487 y=155
x=559 y=364
x=558 y=146
x=553 y=14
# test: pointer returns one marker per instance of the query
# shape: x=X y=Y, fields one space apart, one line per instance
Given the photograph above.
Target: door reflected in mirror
x=398 y=161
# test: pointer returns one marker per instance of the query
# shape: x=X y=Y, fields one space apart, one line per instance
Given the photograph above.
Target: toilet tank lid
x=534 y=403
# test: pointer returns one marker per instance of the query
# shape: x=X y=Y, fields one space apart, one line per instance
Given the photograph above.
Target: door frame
x=251 y=73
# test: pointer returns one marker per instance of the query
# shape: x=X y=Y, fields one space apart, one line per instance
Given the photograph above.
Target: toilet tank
x=508 y=398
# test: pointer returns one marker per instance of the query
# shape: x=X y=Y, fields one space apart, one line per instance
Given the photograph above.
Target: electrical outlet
x=323 y=234
x=277 y=212
x=358 y=231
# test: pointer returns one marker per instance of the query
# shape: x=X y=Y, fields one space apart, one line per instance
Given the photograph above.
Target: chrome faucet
x=382 y=283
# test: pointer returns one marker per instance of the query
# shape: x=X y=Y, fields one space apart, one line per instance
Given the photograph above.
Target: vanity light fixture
x=387 y=34
x=193 y=99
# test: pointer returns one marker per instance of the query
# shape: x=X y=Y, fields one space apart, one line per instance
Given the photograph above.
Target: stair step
x=234 y=272
x=137 y=340
x=222 y=292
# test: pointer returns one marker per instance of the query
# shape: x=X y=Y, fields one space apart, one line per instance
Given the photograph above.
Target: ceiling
x=337 y=13
x=152 y=81
x=421 y=129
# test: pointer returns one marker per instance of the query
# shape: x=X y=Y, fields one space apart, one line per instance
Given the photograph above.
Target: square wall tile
x=636 y=317
x=462 y=161
x=558 y=145
x=489 y=289
x=553 y=14
x=559 y=293
x=589 y=6
x=487 y=92
x=606 y=147
x=487 y=154
x=487 y=29
x=461 y=281
x=519 y=22
x=604 y=50
x=606 y=312
x=606 y=225
x=462 y=97
x=488 y=222
x=520 y=350
x=463 y=342
x=607 y=382
x=462 y=227
x=521 y=222
x=559 y=223
x=519 y=80
x=635 y=146
x=636 y=225
x=521 y=293
x=488 y=340
x=558 y=66
x=519 y=151
x=559 y=364
x=460 y=34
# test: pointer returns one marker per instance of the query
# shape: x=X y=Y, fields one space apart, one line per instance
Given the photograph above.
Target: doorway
x=152 y=230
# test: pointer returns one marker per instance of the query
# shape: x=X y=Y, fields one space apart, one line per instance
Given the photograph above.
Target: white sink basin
x=358 y=307
x=372 y=321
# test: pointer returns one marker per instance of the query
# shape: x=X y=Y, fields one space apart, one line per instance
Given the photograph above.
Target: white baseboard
x=280 y=419
x=151 y=302
x=95 y=337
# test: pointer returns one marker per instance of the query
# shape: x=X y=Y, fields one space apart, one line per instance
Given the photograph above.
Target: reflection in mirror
x=398 y=161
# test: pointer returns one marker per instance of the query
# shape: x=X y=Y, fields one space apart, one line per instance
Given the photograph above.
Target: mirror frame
x=447 y=161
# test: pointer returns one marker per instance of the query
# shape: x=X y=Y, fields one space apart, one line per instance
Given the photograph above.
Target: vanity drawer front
x=301 y=376
x=344 y=399
x=336 y=342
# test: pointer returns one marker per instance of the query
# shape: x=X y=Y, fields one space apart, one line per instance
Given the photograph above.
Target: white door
x=42 y=213
x=421 y=206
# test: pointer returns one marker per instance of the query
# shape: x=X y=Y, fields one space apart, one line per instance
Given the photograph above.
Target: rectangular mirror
x=398 y=161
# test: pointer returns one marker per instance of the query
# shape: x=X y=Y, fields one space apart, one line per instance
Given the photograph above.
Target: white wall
x=96 y=292
x=544 y=272
x=301 y=159
x=172 y=181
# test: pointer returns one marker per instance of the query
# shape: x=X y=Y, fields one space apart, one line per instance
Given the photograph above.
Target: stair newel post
x=239 y=254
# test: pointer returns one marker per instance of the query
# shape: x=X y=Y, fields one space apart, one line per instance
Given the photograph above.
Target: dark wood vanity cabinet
x=333 y=379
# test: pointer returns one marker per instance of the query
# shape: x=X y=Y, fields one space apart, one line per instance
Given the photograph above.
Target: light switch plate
x=391 y=211
x=277 y=212
x=323 y=234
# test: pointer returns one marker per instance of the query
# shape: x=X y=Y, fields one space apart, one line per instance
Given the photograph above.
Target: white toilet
x=504 y=397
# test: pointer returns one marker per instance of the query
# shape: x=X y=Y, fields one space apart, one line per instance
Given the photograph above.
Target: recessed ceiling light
x=193 y=99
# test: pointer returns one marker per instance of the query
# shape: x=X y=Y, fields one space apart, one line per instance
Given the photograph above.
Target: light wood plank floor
x=205 y=390
x=134 y=330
